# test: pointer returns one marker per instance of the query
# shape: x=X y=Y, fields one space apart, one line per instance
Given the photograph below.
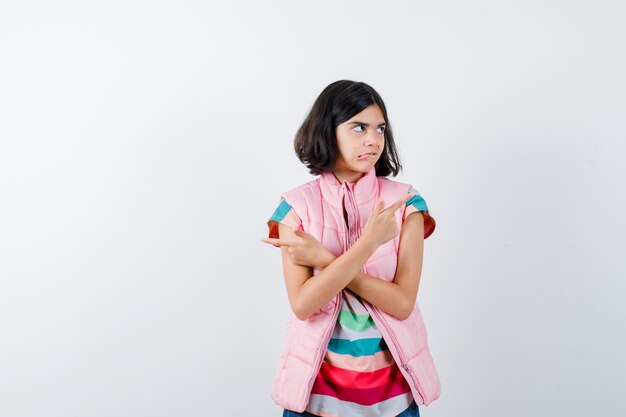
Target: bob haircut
x=316 y=143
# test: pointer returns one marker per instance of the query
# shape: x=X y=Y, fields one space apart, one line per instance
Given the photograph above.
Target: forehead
x=371 y=115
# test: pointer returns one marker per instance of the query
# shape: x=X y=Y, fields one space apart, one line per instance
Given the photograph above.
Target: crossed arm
x=307 y=293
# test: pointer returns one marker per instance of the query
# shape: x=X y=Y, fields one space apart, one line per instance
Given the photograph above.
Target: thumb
x=302 y=234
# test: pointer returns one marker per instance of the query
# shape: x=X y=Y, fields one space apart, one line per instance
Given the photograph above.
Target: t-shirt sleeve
x=417 y=203
x=285 y=214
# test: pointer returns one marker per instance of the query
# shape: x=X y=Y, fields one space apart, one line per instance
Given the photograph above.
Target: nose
x=372 y=138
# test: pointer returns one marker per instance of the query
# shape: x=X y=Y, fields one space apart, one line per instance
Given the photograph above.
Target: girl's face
x=360 y=141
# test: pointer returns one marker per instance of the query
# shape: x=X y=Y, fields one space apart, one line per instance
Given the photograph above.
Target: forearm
x=398 y=296
x=387 y=296
x=321 y=288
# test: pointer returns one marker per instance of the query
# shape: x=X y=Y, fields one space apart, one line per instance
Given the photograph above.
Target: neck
x=351 y=177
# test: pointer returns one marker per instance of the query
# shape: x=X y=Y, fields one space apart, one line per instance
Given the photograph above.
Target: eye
x=381 y=129
x=361 y=126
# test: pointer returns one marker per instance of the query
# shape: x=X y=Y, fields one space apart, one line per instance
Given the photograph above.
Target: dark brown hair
x=315 y=142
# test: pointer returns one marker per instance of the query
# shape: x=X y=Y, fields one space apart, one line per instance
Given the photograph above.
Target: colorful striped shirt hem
x=358 y=376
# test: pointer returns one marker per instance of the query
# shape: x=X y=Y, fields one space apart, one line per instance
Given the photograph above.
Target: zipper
x=356 y=233
x=399 y=355
x=372 y=309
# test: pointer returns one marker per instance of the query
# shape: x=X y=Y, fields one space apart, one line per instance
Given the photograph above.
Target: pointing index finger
x=273 y=241
x=401 y=201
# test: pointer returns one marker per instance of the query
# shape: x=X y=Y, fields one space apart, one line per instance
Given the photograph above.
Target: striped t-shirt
x=358 y=377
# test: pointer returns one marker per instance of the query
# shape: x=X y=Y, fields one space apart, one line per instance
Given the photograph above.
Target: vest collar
x=363 y=190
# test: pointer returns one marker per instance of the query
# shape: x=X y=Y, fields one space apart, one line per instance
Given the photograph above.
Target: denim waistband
x=412 y=411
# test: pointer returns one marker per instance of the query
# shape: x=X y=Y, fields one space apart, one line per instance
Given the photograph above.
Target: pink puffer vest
x=318 y=204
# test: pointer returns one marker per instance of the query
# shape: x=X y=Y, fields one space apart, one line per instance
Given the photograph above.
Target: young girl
x=356 y=344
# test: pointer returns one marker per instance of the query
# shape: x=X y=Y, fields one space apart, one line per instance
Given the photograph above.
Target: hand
x=381 y=225
x=304 y=249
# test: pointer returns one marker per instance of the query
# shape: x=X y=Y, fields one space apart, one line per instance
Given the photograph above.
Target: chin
x=365 y=167
x=363 y=170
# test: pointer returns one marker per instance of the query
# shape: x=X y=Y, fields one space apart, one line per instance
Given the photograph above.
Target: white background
x=144 y=144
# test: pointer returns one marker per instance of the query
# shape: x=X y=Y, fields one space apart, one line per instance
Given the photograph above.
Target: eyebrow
x=366 y=124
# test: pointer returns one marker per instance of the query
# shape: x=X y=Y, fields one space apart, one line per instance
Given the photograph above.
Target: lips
x=365 y=155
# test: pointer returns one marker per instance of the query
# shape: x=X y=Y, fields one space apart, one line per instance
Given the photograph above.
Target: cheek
x=346 y=148
x=343 y=154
